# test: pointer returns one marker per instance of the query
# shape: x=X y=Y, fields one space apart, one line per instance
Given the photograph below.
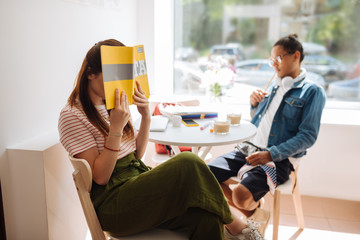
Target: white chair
x=83 y=181
x=290 y=186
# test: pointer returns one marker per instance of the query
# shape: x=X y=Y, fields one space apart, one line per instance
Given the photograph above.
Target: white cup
x=176 y=120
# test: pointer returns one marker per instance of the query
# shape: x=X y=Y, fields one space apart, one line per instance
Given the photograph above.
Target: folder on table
x=158 y=123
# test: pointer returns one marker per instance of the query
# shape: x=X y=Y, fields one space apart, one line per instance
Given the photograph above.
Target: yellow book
x=121 y=68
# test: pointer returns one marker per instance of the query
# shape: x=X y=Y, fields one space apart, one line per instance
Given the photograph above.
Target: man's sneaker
x=262 y=217
x=249 y=233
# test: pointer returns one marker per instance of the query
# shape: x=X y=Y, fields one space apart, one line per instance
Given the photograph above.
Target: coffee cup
x=234 y=118
x=221 y=127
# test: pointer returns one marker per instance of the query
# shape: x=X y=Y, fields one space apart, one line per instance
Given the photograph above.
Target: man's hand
x=256 y=97
x=259 y=158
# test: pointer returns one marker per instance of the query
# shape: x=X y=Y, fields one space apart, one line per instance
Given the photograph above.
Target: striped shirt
x=77 y=134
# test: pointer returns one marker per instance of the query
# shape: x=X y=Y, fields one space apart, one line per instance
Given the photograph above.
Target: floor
x=325 y=218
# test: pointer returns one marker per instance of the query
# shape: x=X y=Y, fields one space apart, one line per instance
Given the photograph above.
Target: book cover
x=122 y=67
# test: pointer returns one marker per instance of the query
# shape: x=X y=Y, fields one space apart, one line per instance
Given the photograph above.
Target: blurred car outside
x=330 y=68
x=258 y=72
x=229 y=51
x=188 y=78
x=311 y=48
x=187 y=54
x=354 y=70
x=345 y=89
x=196 y=78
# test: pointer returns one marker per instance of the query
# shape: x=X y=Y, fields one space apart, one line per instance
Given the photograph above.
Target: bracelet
x=110 y=149
x=115 y=134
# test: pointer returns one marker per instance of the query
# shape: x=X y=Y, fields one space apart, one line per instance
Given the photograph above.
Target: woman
x=180 y=194
x=287 y=116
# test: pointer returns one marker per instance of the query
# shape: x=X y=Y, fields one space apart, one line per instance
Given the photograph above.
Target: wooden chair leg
x=298 y=207
x=297 y=204
x=276 y=214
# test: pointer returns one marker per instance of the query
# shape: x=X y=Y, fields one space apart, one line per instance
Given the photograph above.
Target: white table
x=194 y=137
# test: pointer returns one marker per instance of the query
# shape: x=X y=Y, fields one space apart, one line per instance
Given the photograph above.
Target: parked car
x=345 y=89
x=328 y=67
x=258 y=72
x=354 y=70
x=188 y=54
x=311 y=48
x=195 y=78
x=188 y=78
x=230 y=50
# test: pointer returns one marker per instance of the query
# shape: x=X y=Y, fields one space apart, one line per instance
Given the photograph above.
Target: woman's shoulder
x=72 y=113
x=72 y=110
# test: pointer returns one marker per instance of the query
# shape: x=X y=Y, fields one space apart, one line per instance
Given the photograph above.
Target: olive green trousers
x=181 y=194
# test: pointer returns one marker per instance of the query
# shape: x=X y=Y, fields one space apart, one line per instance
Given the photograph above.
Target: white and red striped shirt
x=77 y=134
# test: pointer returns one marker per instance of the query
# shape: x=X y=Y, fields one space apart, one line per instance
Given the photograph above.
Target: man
x=288 y=120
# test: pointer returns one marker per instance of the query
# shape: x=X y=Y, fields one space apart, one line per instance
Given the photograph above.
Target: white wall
x=331 y=167
x=42 y=46
x=44 y=203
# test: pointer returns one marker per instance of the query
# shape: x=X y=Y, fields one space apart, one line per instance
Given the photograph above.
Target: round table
x=194 y=137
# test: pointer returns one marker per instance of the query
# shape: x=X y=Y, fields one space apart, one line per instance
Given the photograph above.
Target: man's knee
x=242 y=198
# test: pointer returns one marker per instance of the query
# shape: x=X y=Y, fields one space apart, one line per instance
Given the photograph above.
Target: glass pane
x=237 y=36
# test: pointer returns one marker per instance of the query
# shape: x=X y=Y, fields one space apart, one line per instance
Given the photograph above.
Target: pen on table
x=205 y=126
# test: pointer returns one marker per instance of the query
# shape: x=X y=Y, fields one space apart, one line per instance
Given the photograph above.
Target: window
x=242 y=32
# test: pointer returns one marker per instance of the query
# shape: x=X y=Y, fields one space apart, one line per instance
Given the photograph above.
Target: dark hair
x=92 y=65
x=291 y=44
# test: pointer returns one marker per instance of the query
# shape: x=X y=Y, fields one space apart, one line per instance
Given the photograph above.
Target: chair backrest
x=83 y=181
x=83 y=166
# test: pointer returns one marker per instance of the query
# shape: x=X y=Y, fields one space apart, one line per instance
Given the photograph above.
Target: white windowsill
x=335 y=112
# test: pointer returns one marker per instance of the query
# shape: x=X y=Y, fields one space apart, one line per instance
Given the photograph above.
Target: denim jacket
x=296 y=123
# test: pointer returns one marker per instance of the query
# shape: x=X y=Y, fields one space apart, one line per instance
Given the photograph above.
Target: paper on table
x=158 y=123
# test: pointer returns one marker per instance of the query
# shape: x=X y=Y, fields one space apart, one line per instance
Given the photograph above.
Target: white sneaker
x=262 y=217
x=249 y=233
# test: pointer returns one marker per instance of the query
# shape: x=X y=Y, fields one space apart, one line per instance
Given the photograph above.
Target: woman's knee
x=189 y=158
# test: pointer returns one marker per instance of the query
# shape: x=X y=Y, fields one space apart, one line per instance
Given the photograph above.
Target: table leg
x=205 y=152
x=176 y=149
x=195 y=150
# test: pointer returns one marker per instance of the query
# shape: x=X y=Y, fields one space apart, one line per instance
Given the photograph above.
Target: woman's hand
x=256 y=97
x=141 y=101
x=142 y=104
x=119 y=116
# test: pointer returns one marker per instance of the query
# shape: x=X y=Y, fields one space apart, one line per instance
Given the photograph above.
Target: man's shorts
x=228 y=165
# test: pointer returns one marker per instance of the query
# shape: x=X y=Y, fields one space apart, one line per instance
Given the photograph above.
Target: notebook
x=189 y=112
x=158 y=123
